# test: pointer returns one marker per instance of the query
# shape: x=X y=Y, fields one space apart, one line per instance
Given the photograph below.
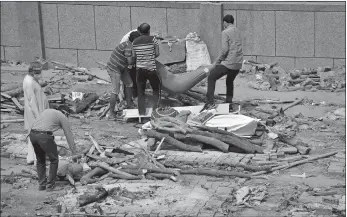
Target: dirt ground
x=284 y=192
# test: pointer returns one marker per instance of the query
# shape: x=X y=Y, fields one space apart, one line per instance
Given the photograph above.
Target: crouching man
x=117 y=68
x=42 y=139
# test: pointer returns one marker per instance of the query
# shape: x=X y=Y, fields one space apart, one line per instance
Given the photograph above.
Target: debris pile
x=271 y=77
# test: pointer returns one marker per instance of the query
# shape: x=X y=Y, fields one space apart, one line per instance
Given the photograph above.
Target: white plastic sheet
x=241 y=125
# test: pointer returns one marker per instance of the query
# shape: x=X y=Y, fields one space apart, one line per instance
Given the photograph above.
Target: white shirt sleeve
x=126 y=37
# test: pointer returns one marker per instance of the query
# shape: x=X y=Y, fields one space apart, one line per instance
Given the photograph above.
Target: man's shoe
x=208 y=106
x=42 y=188
x=54 y=188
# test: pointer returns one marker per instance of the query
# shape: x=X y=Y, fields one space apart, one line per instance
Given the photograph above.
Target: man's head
x=144 y=29
x=228 y=20
x=133 y=35
x=35 y=69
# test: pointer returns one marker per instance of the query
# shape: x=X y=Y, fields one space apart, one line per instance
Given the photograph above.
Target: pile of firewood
x=183 y=136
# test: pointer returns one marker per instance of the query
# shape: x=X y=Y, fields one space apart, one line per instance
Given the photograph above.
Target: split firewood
x=12 y=121
x=88 y=178
x=7 y=106
x=117 y=176
x=80 y=70
x=282 y=110
x=110 y=169
x=97 y=146
x=300 y=80
x=111 y=161
x=171 y=128
x=296 y=163
x=151 y=169
x=103 y=114
x=19 y=106
x=86 y=199
x=206 y=140
x=162 y=176
x=301 y=146
x=274 y=101
x=213 y=172
x=82 y=105
x=229 y=138
x=171 y=141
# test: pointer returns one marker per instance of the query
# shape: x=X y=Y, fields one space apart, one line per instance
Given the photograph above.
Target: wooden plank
x=134 y=113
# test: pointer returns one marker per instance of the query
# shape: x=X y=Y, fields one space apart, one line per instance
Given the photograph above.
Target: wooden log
x=12 y=121
x=110 y=169
x=230 y=139
x=207 y=140
x=300 y=80
x=79 y=70
x=171 y=128
x=301 y=146
x=162 y=176
x=7 y=110
x=87 y=199
x=87 y=178
x=296 y=163
x=81 y=106
x=171 y=141
x=4 y=105
x=111 y=161
x=97 y=146
x=117 y=176
x=213 y=172
x=6 y=96
x=19 y=106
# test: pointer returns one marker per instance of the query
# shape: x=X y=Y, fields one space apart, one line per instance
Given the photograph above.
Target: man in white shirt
x=35 y=102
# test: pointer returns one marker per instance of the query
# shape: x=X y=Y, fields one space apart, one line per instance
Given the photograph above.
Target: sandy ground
x=26 y=200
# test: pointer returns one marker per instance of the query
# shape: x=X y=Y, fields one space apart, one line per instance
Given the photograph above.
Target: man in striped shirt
x=146 y=49
x=117 y=68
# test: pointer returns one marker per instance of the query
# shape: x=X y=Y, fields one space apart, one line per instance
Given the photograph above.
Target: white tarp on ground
x=241 y=125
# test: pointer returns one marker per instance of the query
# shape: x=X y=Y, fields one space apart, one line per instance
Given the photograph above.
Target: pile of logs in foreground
x=184 y=137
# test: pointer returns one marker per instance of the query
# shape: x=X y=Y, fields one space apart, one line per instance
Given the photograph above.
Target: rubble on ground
x=265 y=77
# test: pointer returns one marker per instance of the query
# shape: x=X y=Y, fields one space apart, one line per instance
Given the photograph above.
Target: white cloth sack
x=197 y=53
x=241 y=125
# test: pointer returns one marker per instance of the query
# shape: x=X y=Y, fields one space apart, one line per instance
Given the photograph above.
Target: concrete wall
x=82 y=32
x=294 y=34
